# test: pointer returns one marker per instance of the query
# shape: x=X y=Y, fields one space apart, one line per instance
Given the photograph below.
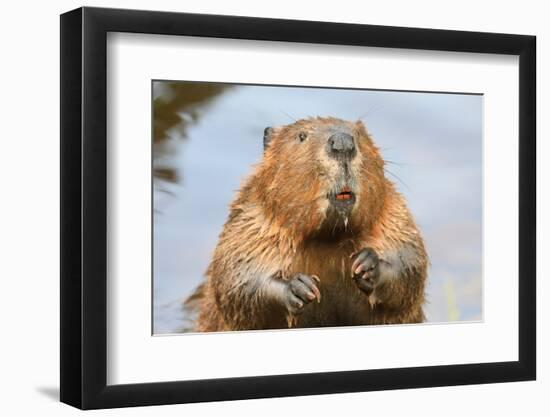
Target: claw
x=291 y=321
x=315 y=289
x=317 y=294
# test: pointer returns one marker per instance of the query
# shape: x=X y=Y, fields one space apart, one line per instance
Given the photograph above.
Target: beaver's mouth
x=345 y=194
x=344 y=198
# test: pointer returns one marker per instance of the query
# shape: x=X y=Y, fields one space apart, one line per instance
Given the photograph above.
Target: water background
x=207 y=136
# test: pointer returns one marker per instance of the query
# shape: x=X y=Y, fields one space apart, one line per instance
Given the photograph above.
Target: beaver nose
x=341 y=145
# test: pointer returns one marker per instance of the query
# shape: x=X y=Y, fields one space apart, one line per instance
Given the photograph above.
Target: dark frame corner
x=83 y=207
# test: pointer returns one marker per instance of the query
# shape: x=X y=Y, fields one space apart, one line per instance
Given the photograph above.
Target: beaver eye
x=302 y=136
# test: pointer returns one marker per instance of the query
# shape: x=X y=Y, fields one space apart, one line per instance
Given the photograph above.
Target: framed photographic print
x=256 y=207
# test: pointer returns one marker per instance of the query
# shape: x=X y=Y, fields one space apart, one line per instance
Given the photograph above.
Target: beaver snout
x=341 y=146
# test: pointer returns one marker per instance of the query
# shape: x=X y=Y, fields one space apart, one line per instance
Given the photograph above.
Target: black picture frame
x=84 y=207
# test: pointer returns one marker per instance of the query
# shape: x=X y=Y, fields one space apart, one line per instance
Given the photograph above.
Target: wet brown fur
x=278 y=226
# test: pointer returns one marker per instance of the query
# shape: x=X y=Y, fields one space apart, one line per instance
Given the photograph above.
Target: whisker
x=399 y=164
x=288 y=115
x=371 y=110
x=396 y=177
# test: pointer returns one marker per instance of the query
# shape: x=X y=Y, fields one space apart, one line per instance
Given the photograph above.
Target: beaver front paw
x=365 y=270
x=301 y=290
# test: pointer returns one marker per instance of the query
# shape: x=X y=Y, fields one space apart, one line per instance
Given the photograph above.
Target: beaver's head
x=320 y=174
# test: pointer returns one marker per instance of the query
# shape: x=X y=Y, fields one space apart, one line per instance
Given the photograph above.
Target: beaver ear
x=268 y=134
x=361 y=126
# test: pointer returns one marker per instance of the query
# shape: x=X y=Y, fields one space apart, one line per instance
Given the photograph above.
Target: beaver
x=316 y=236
